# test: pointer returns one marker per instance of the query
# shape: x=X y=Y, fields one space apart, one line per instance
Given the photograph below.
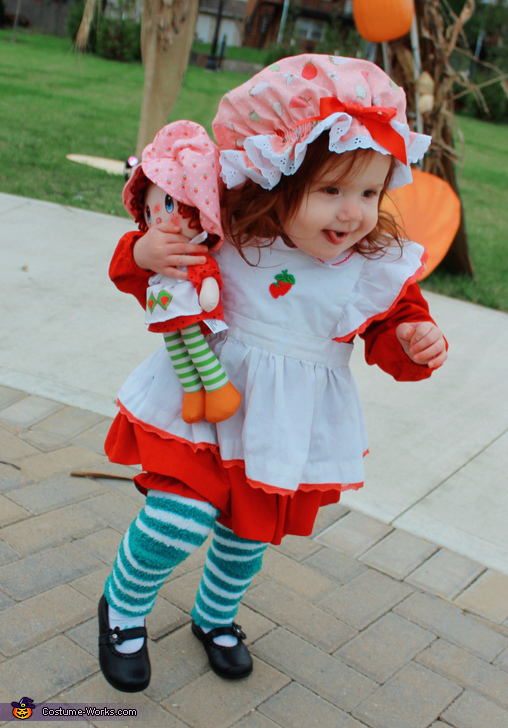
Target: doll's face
x=162 y=210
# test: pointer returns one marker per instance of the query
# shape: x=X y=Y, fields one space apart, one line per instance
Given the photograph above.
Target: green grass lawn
x=55 y=102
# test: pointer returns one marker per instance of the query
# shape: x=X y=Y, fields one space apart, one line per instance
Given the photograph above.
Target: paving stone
x=295 y=576
x=502 y=660
x=336 y=566
x=255 y=720
x=13 y=449
x=413 y=698
x=7 y=554
x=354 y=533
x=182 y=591
x=85 y=636
x=467 y=670
x=92 y=584
x=95 y=689
x=297 y=547
x=10 y=512
x=366 y=598
x=102 y=544
x=116 y=512
x=68 y=422
x=226 y=700
x=488 y=596
x=61 y=490
x=448 y=621
x=297 y=614
x=321 y=673
x=9 y=396
x=51 y=529
x=43 y=441
x=55 y=566
x=385 y=647
x=328 y=515
x=296 y=707
x=5 y=601
x=11 y=477
x=29 y=410
x=471 y=710
x=41 y=617
x=49 y=668
x=445 y=574
x=165 y=618
x=177 y=660
x=94 y=437
x=64 y=460
x=398 y=554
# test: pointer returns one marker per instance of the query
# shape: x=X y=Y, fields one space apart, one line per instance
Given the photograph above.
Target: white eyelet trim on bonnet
x=260 y=126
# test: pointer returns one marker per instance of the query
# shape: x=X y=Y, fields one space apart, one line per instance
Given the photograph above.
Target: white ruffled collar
x=279 y=244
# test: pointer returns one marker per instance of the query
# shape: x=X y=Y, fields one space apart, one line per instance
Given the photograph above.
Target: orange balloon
x=429 y=212
x=379 y=21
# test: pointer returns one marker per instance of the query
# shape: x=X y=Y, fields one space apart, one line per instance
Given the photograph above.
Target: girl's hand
x=163 y=248
x=423 y=342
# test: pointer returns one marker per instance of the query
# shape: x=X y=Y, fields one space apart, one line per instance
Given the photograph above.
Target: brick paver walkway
x=360 y=625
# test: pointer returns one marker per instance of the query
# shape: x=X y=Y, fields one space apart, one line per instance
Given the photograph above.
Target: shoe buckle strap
x=238 y=631
x=117 y=636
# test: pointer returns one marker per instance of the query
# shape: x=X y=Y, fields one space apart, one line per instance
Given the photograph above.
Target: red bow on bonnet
x=376 y=119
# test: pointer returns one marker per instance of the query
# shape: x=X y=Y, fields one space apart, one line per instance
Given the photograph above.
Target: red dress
x=199 y=472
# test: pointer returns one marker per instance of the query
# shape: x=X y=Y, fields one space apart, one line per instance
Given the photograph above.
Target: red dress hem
x=249 y=509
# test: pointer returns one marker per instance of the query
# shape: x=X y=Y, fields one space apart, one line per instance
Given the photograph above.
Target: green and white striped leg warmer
x=167 y=530
x=182 y=363
x=209 y=367
x=231 y=564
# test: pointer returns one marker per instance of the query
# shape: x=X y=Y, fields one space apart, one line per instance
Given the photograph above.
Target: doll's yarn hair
x=139 y=187
x=255 y=216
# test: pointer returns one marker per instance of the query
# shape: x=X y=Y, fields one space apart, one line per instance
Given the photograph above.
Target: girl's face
x=162 y=210
x=333 y=217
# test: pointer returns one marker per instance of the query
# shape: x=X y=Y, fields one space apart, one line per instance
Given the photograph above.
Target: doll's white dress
x=300 y=424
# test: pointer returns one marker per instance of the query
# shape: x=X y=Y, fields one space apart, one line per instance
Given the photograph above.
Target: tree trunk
x=437 y=40
x=458 y=258
x=167 y=32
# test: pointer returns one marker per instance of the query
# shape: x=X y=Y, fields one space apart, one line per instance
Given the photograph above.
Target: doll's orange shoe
x=222 y=403
x=193 y=406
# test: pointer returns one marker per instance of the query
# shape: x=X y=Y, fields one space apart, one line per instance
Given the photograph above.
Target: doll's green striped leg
x=221 y=398
x=193 y=407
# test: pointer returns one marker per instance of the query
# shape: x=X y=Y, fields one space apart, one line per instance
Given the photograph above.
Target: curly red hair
x=139 y=187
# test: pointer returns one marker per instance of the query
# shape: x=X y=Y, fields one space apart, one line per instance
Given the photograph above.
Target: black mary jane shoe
x=232 y=663
x=129 y=673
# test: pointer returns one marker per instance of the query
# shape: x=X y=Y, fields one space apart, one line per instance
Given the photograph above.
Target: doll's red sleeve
x=124 y=272
x=382 y=346
x=197 y=273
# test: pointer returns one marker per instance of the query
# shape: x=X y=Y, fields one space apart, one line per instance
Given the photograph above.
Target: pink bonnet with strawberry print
x=264 y=126
x=184 y=162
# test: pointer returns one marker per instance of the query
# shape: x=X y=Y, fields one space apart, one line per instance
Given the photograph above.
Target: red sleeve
x=124 y=272
x=197 y=273
x=382 y=346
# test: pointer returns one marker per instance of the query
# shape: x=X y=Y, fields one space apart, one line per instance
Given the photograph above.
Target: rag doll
x=177 y=184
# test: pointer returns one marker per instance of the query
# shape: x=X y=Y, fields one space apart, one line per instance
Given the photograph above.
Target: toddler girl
x=308 y=149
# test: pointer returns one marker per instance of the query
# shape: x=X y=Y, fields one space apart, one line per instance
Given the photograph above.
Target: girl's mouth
x=334 y=237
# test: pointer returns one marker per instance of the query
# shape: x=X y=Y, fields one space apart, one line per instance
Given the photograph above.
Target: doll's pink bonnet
x=264 y=126
x=184 y=162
